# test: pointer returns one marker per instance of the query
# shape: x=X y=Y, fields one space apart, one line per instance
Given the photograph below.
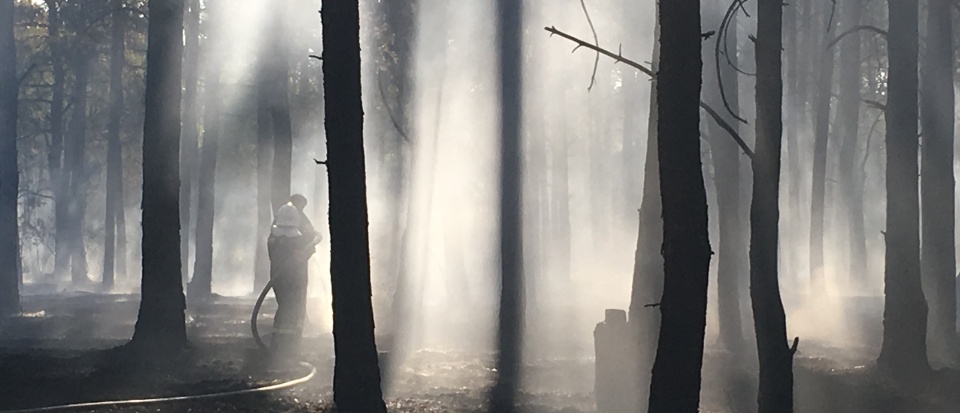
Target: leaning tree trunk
x=160 y=322
x=9 y=175
x=848 y=121
x=675 y=386
x=356 y=375
x=938 y=259
x=114 y=193
x=200 y=287
x=821 y=135
x=78 y=179
x=776 y=358
x=279 y=78
x=904 y=350
x=188 y=142
x=509 y=16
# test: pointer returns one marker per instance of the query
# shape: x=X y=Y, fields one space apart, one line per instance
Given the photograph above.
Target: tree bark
x=776 y=358
x=675 y=386
x=356 y=376
x=114 y=192
x=188 y=144
x=160 y=322
x=938 y=259
x=78 y=177
x=9 y=175
x=848 y=116
x=904 y=350
x=200 y=287
x=821 y=135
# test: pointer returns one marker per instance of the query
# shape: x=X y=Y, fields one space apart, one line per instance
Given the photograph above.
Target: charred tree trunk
x=264 y=163
x=78 y=179
x=732 y=255
x=114 y=193
x=938 y=259
x=675 y=386
x=279 y=78
x=160 y=322
x=59 y=178
x=848 y=121
x=904 y=350
x=776 y=358
x=821 y=135
x=188 y=142
x=356 y=376
x=9 y=175
x=200 y=287
x=509 y=16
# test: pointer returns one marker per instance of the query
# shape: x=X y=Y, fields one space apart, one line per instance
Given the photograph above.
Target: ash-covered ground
x=66 y=349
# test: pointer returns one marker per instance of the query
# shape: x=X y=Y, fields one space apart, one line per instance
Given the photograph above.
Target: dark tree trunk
x=820 y=137
x=356 y=376
x=114 y=193
x=675 y=386
x=848 y=122
x=732 y=255
x=776 y=358
x=200 y=285
x=938 y=260
x=9 y=175
x=648 y=263
x=78 y=177
x=904 y=350
x=509 y=16
x=188 y=142
x=59 y=178
x=279 y=78
x=264 y=162
x=160 y=321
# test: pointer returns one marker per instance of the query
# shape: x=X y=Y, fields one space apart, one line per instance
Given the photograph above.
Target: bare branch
x=313 y=56
x=724 y=26
x=386 y=104
x=855 y=29
x=875 y=104
x=596 y=40
x=619 y=58
x=26 y=73
x=793 y=348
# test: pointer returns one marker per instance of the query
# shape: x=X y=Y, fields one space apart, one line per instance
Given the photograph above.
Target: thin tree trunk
x=9 y=175
x=904 y=350
x=59 y=178
x=675 y=386
x=78 y=178
x=114 y=157
x=279 y=78
x=200 y=287
x=356 y=376
x=160 y=324
x=776 y=358
x=264 y=163
x=938 y=260
x=188 y=144
x=821 y=135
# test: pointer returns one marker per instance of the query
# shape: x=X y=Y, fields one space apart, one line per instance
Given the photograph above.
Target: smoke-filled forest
x=530 y=206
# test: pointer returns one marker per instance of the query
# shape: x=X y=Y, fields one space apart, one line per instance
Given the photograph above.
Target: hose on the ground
x=256 y=313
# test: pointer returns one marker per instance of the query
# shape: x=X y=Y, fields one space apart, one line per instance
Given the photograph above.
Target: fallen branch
x=619 y=58
x=853 y=30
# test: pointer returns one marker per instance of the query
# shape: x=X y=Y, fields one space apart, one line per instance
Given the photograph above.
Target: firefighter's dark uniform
x=288 y=272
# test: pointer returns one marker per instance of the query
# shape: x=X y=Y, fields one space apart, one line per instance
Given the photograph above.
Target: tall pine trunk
x=938 y=259
x=59 y=178
x=200 y=287
x=776 y=358
x=188 y=141
x=78 y=180
x=904 y=349
x=279 y=78
x=675 y=386
x=356 y=375
x=114 y=193
x=9 y=175
x=848 y=122
x=160 y=324
x=264 y=163
x=820 y=136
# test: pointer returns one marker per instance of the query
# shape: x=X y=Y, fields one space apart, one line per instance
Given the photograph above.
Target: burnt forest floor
x=63 y=350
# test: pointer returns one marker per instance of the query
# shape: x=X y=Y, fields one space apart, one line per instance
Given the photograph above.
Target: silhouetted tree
x=59 y=177
x=75 y=159
x=278 y=75
x=190 y=134
x=938 y=259
x=264 y=179
x=9 y=175
x=821 y=135
x=904 y=350
x=675 y=384
x=160 y=322
x=114 y=192
x=200 y=284
x=356 y=377
x=776 y=358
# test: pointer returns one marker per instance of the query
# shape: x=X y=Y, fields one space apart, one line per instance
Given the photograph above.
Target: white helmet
x=287 y=221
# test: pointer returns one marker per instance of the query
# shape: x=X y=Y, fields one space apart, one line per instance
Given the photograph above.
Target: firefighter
x=289 y=248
